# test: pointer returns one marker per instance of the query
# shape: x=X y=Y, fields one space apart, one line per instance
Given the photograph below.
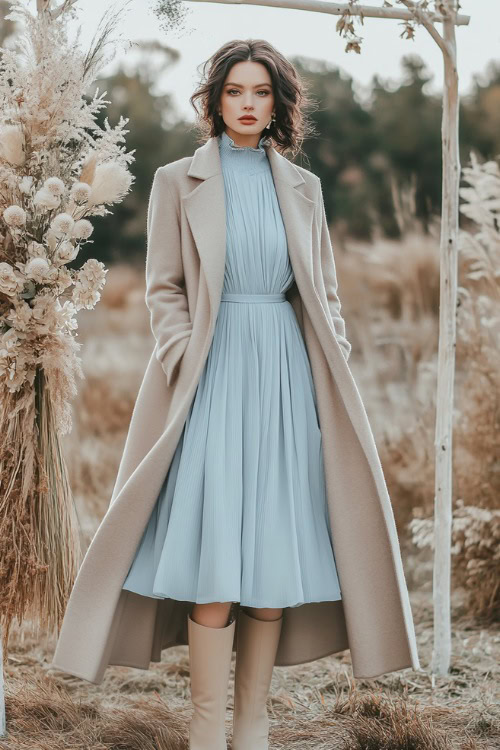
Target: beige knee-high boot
x=210 y=652
x=256 y=646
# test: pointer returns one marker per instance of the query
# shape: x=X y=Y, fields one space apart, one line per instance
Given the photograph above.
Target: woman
x=241 y=288
x=243 y=509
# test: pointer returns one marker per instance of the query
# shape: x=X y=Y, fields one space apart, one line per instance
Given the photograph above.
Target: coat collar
x=205 y=209
x=206 y=163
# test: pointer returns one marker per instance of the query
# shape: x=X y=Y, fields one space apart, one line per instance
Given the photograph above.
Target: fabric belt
x=235 y=297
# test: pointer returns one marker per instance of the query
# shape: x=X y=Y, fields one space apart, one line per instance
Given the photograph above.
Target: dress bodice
x=257 y=258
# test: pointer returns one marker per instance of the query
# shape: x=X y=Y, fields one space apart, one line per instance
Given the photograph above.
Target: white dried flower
x=44 y=199
x=66 y=315
x=62 y=223
x=80 y=192
x=14 y=216
x=54 y=185
x=90 y=280
x=12 y=359
x=51 y=239
x=66 y=252
x=26 y=183
x=85 y=296
x=12 y=145
x=18 y=370
x=20 y=316
x=110 y=184
x=44 y=314
x=9 y=282
x=7 y=366
x=36 y=250
x=82 y=229
x=64 y=279
x=92 y=272
x=10 y=340
x=37 y=269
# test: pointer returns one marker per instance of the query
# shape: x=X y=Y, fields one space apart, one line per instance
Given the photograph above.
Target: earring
x=272 y=120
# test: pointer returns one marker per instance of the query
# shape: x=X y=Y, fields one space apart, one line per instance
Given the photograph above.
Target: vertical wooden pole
x=446 y=353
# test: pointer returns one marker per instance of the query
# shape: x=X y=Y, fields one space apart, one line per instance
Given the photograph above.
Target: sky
x=208 y=25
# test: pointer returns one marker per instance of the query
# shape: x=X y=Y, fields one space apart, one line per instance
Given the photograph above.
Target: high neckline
x=260 y=146
x=244 y=158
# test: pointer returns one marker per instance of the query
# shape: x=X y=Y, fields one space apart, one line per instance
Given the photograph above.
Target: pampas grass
x=39 y=543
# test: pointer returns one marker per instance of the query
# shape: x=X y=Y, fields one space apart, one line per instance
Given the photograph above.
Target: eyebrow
x=240 y=86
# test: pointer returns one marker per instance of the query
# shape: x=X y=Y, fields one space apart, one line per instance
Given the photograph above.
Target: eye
x=262 y=91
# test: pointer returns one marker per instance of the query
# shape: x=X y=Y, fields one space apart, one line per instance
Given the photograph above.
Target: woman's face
x=247 y=90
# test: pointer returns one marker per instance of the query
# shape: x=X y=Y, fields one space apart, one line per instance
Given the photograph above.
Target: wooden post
x=443 y=511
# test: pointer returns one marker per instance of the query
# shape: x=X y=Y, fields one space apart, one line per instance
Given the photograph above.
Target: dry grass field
x=390 y=300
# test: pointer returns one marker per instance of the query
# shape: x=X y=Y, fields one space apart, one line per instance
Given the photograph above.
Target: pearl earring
x=273 y=119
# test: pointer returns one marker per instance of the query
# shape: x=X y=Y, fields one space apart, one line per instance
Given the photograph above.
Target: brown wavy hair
x=290 y=94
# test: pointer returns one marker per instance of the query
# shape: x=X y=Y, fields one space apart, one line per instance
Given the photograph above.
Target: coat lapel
x=206 y=213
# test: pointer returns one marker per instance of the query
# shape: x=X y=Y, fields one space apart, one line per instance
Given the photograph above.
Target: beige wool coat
x=186 y=239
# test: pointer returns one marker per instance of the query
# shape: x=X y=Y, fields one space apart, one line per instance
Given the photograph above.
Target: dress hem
x=213 y=600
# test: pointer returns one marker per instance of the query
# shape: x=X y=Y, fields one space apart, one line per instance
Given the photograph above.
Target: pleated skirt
x=242 y=514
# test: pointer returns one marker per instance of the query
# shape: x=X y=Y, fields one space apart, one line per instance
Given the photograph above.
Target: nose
x=248 y=100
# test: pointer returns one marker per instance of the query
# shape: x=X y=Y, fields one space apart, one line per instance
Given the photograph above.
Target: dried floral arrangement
x=58 y=167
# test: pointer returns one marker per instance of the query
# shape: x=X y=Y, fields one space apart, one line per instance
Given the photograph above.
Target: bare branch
x=423 y=19
x=43 y=6
x=62 y=8
x=338 y=9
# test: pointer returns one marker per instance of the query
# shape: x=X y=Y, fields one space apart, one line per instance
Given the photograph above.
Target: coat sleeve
x=165 y=292
x=330 y=276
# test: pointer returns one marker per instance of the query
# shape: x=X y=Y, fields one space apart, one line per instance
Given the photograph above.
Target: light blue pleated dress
x=242 y=514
